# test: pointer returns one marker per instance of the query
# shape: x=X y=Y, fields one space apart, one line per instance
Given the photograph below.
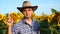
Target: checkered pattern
x=24 y=28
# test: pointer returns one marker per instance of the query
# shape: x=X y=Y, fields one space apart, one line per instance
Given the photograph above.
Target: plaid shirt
x=24 y=28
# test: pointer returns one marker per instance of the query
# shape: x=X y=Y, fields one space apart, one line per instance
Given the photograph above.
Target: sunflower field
x=49 y=24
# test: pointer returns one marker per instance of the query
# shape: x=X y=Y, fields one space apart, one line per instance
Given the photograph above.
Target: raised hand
x=9 y=20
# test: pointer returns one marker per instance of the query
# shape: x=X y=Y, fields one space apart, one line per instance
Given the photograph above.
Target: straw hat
x=27 y=4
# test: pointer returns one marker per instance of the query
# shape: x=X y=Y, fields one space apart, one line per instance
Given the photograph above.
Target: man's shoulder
x=34 y=20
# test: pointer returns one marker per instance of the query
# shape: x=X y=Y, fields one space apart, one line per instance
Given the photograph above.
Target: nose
x=26 y=11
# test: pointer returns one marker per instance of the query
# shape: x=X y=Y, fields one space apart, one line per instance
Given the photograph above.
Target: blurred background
x=47 y=14
x=44 y=6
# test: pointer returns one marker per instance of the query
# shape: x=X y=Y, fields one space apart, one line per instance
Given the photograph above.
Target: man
x=27 y=25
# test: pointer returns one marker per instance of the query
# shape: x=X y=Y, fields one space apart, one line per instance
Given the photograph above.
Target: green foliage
x=3 y=28
x=45 y=26
x=53 y=10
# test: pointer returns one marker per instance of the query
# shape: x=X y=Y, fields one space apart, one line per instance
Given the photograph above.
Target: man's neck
x=29 y=21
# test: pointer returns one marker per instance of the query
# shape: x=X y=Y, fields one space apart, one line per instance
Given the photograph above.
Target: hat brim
x=33 y=7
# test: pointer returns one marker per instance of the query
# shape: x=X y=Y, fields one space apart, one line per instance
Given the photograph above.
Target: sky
x=44 y=6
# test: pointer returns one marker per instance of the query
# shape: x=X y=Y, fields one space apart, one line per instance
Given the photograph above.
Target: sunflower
x=42 y=17
x=14 y=16
x=33 y=15
x=37 y=18
x=58 y=18
x=51 y=17
x=58 y=24
x=19 y=15
x=5 y=19
x=1 y=16
x=16 y=21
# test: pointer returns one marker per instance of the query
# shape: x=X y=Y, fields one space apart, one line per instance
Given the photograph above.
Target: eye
x=29 y=10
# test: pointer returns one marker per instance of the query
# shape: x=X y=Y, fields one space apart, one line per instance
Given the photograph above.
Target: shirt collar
x=24 y=21
x=35 y=24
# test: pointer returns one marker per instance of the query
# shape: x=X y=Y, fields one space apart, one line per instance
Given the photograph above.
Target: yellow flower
x=14 y=16
x=42 y=17
x=51 y=17
x=33 y=15
x=1 y=16
x=58 y=18
x=18 y=20
x=38 y=17
x=19 y=15
x=5 y=19
x=59 y=24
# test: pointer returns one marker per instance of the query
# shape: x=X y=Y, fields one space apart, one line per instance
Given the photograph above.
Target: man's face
x=27 y=12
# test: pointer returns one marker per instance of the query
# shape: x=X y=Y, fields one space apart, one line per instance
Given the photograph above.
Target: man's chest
x=27 y=29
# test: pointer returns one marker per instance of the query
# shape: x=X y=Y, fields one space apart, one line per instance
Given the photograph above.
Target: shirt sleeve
x=15 y=30
x=38 y=27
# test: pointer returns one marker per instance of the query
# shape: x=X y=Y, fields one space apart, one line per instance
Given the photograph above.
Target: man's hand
x=9 y=21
